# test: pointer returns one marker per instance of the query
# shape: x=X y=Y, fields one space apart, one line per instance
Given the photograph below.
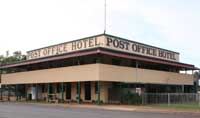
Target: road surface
x=21 y=110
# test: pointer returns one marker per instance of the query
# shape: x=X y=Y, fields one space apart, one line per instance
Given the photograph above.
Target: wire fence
x=124 y=96
x=6 y=94
x=170 y=98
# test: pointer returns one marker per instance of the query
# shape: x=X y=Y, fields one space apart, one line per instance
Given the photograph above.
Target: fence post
x=199 y=99
x=1 y=93
x=142 y=99
x=168 y=98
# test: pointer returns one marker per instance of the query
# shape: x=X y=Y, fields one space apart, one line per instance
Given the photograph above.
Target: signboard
x=67 y=47
x=104 y=41
x=140 y=49
x=199 y=82
x=138 y=90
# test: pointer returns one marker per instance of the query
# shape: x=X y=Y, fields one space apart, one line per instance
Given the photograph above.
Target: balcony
x=95 y=72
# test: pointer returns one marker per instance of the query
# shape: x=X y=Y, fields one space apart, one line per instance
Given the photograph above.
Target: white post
x=183 y=89
x=168 y=97
x=199 y=99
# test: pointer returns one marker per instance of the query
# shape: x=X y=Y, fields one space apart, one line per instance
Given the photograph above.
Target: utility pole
x=105 y=16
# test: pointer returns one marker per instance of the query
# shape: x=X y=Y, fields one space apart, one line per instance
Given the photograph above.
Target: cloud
x=173 y=25
x=179 y=25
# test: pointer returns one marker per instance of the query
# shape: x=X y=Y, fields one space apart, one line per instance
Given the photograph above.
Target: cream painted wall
x=66 y=74
x=127 y=74
x=103 y=92
x=94 y=72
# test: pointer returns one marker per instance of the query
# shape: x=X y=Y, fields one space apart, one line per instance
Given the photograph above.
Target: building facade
x=95 y=69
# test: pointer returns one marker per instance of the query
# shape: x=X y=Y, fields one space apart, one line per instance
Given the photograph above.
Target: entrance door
x=68 y=91
x=51 y=89
x=87 y=91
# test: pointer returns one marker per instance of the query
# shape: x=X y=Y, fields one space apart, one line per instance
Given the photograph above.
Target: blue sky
x=169 y=24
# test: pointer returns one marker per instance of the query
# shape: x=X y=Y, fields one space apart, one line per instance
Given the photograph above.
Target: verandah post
x=1 y=93
x=48 y=91
x=99 y=97
x=62 y=92
x=79 y=87
x=16 y=92
x=36 y=87
x=79 y=96
x=26 y=92
x=8 y=93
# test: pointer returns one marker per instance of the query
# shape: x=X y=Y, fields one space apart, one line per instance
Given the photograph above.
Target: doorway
x=68 y=91
x=87 y=91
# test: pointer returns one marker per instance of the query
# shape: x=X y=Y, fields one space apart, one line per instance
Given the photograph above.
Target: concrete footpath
x=118 y=107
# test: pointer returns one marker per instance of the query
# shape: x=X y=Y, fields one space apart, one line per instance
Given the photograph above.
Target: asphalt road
x=13 y=110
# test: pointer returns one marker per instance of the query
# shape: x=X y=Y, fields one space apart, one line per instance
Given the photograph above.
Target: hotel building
x=93 y=69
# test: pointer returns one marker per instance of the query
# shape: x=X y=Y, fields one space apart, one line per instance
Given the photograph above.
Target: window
x=133 y=63
x=58 y=88
x=43 y=88
x=115 y=62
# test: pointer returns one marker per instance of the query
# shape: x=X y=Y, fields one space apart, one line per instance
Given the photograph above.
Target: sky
x=170 y=24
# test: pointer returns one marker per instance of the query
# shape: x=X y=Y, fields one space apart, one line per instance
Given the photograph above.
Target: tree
x=197 y=75
x=1 y=58
x=17 y=56
x=197 y=80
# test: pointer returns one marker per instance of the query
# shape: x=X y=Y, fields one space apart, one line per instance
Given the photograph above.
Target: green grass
x=189 y=106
